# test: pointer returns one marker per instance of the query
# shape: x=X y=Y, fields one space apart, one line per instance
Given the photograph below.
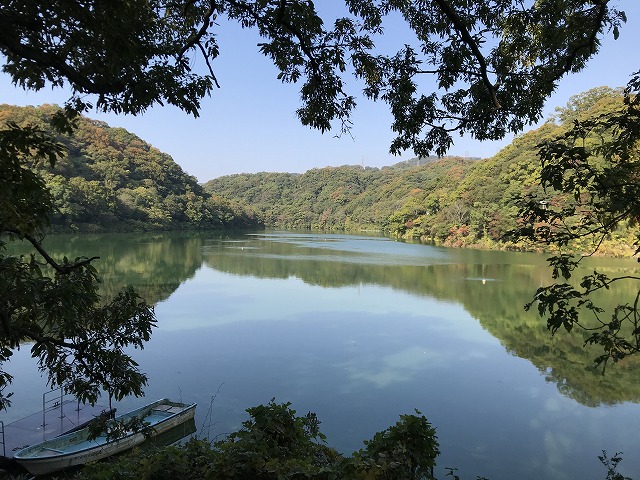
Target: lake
x=362 y=329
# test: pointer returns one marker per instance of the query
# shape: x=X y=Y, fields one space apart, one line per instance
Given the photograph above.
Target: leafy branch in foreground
x=53 y=305
x=591 y=177
x=480 y=68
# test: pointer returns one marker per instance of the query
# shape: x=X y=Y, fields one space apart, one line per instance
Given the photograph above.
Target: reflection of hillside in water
x=155 y=264
x=494 y=292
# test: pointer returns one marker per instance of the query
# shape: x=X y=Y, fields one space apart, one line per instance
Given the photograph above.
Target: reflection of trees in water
x=563 y=359
x=494 y=293
x=155 y=264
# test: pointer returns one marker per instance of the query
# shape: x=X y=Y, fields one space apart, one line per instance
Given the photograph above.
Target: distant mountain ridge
x=420 y=161
x=112 y=180
x=340 y=198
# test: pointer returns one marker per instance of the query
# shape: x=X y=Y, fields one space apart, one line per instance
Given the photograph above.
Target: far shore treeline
x=112 y=180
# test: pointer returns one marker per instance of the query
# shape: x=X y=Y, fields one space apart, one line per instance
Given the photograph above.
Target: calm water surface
x=363 y=329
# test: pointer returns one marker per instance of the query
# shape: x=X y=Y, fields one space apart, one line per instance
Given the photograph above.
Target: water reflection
x=362 y=329
x=398 y=367
x=492 y=286
x=155 y=264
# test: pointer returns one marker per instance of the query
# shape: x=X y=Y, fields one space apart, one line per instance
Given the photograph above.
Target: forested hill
x=347 y=197
x=453 y=201
x=112 y=180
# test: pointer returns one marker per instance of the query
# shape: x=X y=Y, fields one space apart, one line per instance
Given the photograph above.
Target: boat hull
x=75 y=449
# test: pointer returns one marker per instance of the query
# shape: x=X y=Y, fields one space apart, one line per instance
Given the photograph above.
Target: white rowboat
x=76 y=449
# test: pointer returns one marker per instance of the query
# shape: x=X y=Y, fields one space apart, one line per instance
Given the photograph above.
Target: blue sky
x=249 y=125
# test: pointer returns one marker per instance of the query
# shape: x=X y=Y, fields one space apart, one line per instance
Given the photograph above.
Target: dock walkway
x=43 y=426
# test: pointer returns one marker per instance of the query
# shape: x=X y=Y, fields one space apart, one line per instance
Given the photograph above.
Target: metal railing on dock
x=4 y=448
x=58 y=402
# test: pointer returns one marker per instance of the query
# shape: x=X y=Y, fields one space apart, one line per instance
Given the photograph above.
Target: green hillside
x=111 y=180
x=341 y=198
x=451 y=201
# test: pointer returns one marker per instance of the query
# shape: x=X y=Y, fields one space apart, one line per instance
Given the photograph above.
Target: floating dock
x=58 y=416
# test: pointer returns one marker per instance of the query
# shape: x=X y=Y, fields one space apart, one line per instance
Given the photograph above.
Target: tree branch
x=590 y=44
x=45 y=339
x=51 y=60
x=206 y=60
x=461 y=28
x=194 y=40
x=63 y=270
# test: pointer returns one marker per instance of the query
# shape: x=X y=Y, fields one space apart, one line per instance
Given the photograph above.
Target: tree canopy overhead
x=494 y=61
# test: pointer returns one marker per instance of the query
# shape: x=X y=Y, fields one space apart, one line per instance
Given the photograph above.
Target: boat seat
x=162 y=408
x=54 y=450
x=167 y=409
